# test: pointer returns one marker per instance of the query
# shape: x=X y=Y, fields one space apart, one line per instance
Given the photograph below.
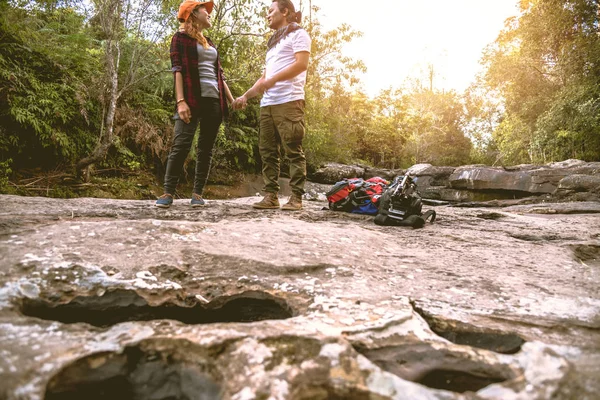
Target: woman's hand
x=184 y=112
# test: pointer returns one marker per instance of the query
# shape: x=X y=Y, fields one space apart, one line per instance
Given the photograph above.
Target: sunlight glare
x=401 y=38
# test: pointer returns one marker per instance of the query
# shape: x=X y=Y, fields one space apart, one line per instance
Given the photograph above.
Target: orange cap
x=186 y=8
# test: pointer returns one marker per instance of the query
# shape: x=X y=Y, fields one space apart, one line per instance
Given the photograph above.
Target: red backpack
x=357 y=195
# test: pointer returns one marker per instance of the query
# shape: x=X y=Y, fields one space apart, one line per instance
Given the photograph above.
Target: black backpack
x=401 y=205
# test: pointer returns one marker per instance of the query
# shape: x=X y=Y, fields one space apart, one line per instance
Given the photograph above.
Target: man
x=282 y=104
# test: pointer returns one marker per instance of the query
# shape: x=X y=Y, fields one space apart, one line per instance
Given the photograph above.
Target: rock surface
x=118 y=299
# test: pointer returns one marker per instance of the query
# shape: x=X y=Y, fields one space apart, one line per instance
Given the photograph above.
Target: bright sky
x=401 y=37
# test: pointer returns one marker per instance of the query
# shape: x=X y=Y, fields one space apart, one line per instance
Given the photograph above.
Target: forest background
x=86 y=94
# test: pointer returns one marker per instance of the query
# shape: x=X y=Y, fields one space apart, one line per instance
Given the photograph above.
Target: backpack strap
x=414 y=221
x=429 y=214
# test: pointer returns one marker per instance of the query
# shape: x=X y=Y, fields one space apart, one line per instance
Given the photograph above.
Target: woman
x=201 y=94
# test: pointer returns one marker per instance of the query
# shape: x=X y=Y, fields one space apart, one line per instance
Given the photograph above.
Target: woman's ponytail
x=297 y=17
x=293 y=15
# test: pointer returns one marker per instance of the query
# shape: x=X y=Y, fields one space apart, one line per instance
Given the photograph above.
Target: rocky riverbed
x=118 y=299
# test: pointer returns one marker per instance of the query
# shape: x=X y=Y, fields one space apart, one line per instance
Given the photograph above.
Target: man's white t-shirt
x=278 y=58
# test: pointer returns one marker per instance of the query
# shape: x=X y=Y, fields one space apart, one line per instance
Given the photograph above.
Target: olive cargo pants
x=282 y=127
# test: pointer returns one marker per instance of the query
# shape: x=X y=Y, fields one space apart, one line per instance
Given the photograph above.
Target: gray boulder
x=580 y=183
x=430 y=176
x=388 y=174
x=496 y=178
x=523 y=178
x=331 y=173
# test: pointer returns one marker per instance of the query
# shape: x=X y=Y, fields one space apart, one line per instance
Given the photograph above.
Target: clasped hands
x=240 y=103
x=261 y=86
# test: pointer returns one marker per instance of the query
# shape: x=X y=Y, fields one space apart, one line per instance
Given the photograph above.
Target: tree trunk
x=113 y=55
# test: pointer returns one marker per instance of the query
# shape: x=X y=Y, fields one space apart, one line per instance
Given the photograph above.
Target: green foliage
x=482 y=114
x=236 y=148
x=570 y=128
x=437 y=135
x=5 y=173
x=546 y=67
x=513 y=138
x=395 y=129
x=328 y=66
x=329 y=99
x=38 y=79
x=239 y=31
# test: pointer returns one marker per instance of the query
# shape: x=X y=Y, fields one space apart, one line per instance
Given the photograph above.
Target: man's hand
x=184 y=112
x=240 y=103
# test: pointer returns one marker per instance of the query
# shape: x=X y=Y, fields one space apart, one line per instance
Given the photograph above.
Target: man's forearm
x=255 y=90
x=289 y=72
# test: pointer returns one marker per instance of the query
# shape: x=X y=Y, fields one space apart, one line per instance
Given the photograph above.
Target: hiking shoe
x=268 y=202
x=294 y=203
x=197 y=200
x=164 y=201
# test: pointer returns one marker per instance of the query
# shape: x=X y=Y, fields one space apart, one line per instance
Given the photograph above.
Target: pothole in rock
x=490 y=215
x=505 y=343
x=438 y=368
x=499 y=342
x=456 y=381
x=587 y=253
x=542 y=238
x=133 y=375
x=118 y=306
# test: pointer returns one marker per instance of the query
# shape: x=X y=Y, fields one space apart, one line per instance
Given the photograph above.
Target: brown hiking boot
x=268 y=202
x=294 y=204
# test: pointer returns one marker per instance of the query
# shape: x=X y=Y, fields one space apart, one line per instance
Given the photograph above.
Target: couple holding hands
x=202 y=96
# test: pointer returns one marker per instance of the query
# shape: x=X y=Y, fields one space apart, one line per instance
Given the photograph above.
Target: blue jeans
x=209 y=117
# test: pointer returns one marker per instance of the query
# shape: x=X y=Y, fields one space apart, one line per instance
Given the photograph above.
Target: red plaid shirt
x=184 y=59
